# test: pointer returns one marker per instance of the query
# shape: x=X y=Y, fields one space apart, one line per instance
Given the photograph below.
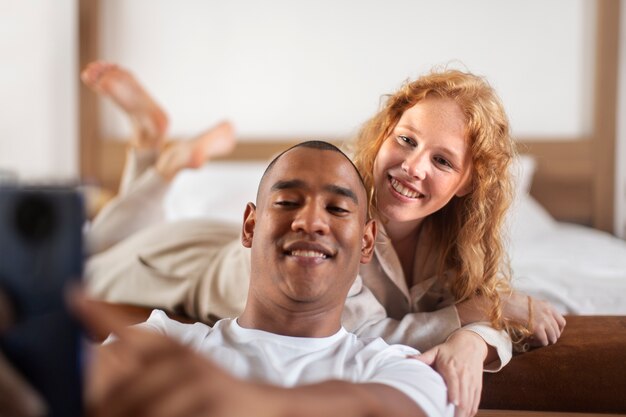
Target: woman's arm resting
x=544 y=322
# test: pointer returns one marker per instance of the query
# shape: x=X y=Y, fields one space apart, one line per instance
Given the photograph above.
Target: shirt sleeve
x=413 y=378
x=364 y=315
x=191 y=335
x=499 y=339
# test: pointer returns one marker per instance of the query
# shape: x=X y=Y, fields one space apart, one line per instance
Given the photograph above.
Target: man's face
x=308 y=233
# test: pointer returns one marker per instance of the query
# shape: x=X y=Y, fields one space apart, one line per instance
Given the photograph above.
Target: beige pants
x=197 y=267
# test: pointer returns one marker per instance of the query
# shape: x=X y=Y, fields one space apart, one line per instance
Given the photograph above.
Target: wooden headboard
x=575 y=176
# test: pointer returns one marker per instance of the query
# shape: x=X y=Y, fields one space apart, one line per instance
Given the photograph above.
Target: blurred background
x=283 y=70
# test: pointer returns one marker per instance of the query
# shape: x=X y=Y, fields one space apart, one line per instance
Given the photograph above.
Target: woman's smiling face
x=423 y=163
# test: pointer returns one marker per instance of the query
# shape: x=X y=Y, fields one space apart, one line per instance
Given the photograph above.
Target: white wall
x=284 y=68
x=38 y=124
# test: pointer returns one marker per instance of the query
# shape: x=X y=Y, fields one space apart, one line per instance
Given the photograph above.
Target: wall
x=287 y=69
x=38 y=76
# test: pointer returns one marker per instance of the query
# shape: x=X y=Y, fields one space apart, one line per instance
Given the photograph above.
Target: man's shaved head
x=312 y=144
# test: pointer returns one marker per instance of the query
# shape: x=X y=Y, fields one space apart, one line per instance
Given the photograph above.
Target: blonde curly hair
x=467 y=232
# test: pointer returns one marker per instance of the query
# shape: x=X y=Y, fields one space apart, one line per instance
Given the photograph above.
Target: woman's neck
x=404 y=238
x=402 y=232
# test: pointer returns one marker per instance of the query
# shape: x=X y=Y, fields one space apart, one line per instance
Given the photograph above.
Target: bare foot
x=148 y=119
x=193 y=153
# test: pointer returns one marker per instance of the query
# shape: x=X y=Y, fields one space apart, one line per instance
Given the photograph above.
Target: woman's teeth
x=407 y=192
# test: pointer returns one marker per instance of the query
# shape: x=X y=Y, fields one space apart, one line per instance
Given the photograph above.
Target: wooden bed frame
x=575 y=176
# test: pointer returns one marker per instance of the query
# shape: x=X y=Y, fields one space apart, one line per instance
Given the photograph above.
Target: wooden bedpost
x=89 y=126
x=605 y=114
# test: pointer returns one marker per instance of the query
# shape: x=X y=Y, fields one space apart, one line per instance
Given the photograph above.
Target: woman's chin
x=398 y=215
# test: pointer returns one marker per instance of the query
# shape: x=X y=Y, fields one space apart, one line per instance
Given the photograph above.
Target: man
x=287 y=353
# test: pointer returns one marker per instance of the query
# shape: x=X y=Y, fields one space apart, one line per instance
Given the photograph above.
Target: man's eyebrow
x=343 y=191
x=331 y=188
x=288 y=184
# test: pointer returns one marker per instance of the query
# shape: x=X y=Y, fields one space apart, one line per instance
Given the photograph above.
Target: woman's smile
x=405 y=191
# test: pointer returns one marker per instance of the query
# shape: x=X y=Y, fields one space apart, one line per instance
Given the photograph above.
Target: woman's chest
x=399 y=295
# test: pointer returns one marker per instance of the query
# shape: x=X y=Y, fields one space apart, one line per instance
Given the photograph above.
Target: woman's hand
x=460 y=362
x=545 y=323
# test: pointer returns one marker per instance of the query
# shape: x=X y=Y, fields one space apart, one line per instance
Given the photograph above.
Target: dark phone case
x=41 y=251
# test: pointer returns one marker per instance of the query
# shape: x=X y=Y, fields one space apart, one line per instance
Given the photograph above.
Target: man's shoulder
x=186 y=333
x=376 y=345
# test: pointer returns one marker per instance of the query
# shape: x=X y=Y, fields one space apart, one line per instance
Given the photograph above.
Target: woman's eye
x=407 y=140
x=442 y=161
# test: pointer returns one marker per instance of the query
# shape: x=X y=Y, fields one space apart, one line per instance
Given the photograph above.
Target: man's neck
x=290 y=322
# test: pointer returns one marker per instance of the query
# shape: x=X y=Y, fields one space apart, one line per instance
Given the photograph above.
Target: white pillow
x=527 y=219
x=523 y=169
x=219 y=191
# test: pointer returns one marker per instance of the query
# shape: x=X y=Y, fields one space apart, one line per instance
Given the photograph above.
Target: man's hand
x=460 y=362
x=159 y=377
x=17 y=397
x=145 y=373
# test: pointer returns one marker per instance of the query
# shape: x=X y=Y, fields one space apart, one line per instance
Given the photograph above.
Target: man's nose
x=416 y=165
x=311 y=218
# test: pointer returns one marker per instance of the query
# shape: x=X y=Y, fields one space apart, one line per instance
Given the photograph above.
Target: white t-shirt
x=288 y=361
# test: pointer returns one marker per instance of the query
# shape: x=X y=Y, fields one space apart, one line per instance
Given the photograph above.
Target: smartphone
x=41 y=252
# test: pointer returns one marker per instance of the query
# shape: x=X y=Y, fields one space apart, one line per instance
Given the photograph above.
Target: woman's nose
x=416 y=165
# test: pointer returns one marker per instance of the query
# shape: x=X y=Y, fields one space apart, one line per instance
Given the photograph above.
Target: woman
x=436 y=162
x=435 y=159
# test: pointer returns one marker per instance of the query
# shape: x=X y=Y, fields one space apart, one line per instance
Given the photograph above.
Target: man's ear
x=249 y=221
x=368 y=241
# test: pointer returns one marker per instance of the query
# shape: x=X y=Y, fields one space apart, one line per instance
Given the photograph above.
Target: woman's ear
x=249 y=221
x=368 y=241
x=466 y=188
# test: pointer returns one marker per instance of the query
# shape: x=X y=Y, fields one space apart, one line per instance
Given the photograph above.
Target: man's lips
x=308 y=250
x=404 y=190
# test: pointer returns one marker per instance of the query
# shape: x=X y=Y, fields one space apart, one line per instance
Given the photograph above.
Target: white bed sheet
x=580 y=270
